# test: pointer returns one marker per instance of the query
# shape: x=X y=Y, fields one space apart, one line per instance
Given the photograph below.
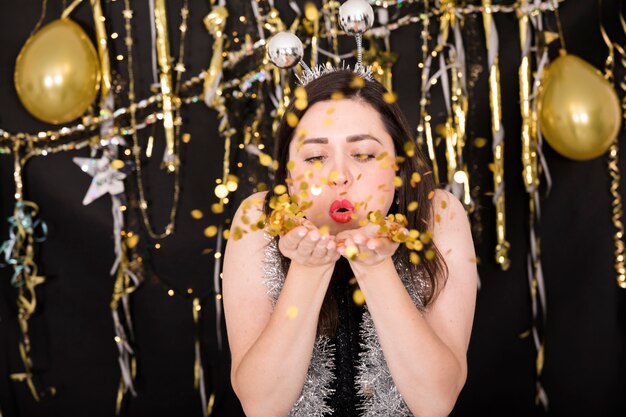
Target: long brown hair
x=371 y=92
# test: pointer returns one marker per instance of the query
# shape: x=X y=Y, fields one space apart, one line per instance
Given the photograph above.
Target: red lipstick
x=341 y=211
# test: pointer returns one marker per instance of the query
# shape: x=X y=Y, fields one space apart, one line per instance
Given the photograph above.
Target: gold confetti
x=259 y=224
x=358 y=297
x=280 y=189
x=412 y=206
x=337 y=95
x=444 y=204
x=300 y=104
x=300 y=92
x=291 y=165
x=217 y=208
x=409 y=149
x=333 y=176
x=414 y=258
x=397 y=181
x=186 y=137
x=292 y=119
x=390 y=97
x=197 y=214
x=292 y=312
x=480 y=142
x=117 y=164
x=328 y=121
x=324 y=230
x=210 y=231
x=265 y=159
x=261 y=186
x=357 y=82
x=132 y=240
x=351 y=252
x=382 y=156
x=431 y=195
x=437 y=218
x=430 y=254
x=416 y=177
x=330 y=110
x=237 y=233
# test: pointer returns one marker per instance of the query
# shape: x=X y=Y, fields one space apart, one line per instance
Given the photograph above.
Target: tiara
x=285 y=49
x=310 y=74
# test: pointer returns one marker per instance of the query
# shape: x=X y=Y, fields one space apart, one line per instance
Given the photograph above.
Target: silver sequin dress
x=377 y=394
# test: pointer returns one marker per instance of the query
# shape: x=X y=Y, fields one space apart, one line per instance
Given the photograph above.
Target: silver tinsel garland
x=379 y=395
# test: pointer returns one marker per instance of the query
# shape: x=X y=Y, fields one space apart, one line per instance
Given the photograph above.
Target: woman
x=300 y=346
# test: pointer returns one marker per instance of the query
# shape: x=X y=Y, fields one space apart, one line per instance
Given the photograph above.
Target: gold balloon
x=578 y=109
x=57 y=72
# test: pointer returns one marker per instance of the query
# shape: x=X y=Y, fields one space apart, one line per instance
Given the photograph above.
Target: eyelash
x=315 y=158
x=361 y=157
x=364 y=157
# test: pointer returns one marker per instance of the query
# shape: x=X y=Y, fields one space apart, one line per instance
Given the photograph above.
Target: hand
x=372 y=248
x=307 y=246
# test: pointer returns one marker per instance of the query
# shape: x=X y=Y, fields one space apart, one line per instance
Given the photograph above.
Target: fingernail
x=301 y=233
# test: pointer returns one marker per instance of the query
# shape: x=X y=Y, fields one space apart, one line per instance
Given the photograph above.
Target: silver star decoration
x=106 y=179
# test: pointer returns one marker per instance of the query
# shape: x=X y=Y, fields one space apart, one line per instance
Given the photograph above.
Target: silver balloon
x=285 y=50
x=356 y=16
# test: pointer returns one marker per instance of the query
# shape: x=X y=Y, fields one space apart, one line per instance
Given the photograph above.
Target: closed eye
x=313 y=159
x=364 y=157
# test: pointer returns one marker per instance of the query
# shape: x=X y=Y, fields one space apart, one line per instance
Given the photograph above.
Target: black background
x=72 y=332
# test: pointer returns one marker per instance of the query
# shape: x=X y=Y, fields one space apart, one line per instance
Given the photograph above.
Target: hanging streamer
x=312 y=14
x=331 y=21
x=531 y=177
x=126 y=282
x=497 y=130
x=19 y=252
x=215 y=23
x=424 y=128
x=613 y=156
x=170 y=159
x=198 y=369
